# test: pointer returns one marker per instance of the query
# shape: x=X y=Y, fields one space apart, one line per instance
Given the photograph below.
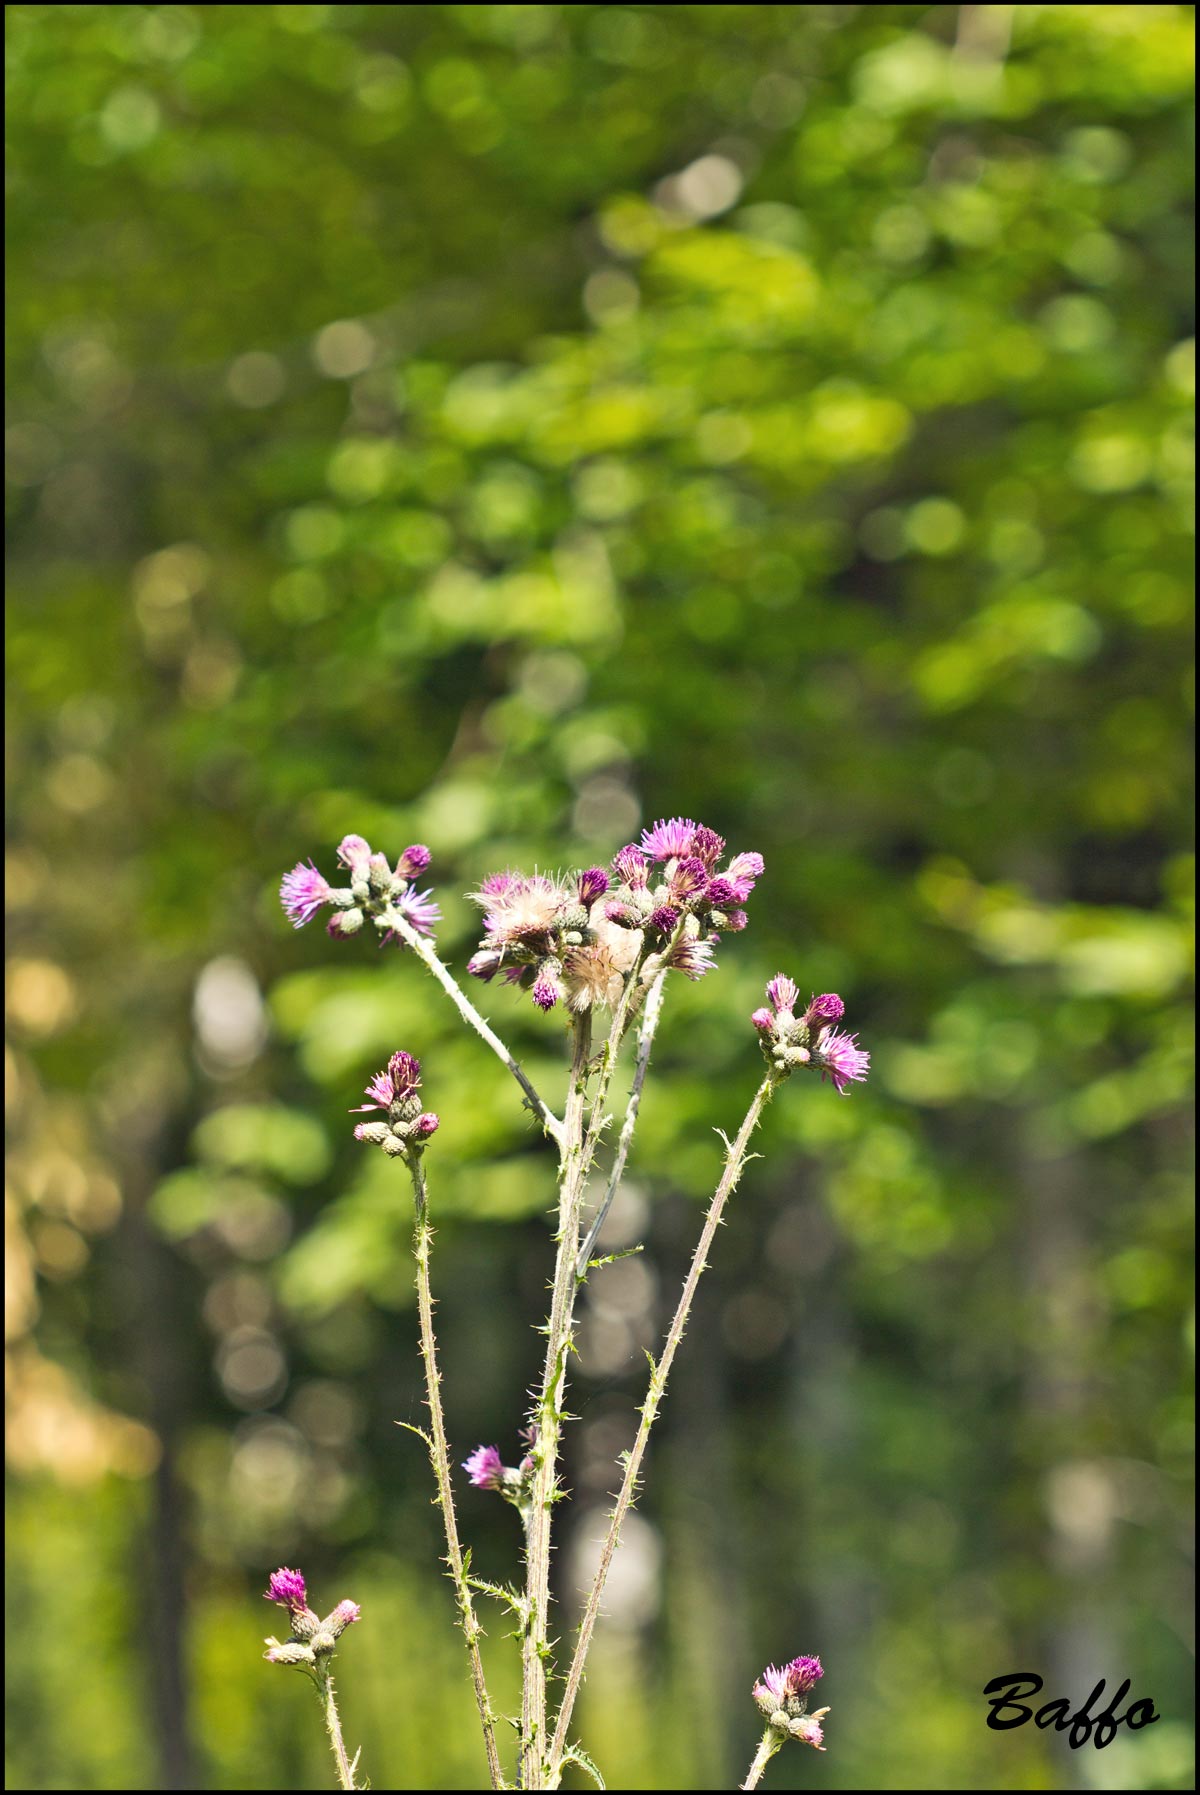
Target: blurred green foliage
x=498 y=426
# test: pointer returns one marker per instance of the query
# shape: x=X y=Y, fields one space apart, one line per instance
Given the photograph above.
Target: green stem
x=439 y=1453
x=333 y=1726
x=768 y=1745
x=647 y=1028
x=734 y=1162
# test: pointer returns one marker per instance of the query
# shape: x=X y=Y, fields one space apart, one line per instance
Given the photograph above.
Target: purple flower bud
x=616 y=911
x=287 y=1588
x=302 y=893
x=841 y=1058
x=828 y=1008
x=485 y=1468
x=355 y=853
x=663 y=919
x=485 y=964
x=808 y=1730
x=720 y=894
x=414 y=860
x=742 y=872
x=592 y=884
x=630 y=867
x=669 y=839
x=764 y=1022
x=782 y=994
x=734 y=920
x=689 y=877
x=427 y=1123
x=803 y=1674
x=344 y=923
x=343 y=1616
x=708 y=846
x=404 y=1070
x=547 y=987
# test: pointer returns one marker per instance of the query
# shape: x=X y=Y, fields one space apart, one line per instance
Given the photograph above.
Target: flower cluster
x=577 y=940
x=311 y=1640
x=375 y=892
x=487 y=1471
x=782 y=1695
x=394 y=1090
x=810 y=1039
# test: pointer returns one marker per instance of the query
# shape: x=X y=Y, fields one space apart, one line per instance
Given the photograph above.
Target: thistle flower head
x=785 y=1686
x=764 y=1022
x=427 y=1123
x=343 y=1616
x=302 y=893
x=521 y=911
x=689 y=877
x=827 y=1008
x=630 y=867
x=663 y=919
x=742 y=872
x=398 y=1082
x=419 y=909
x=485 y=1468
x=840 y=1058
x=287 y=1587
x=707 y=846
x=414 y=860
x=692 y=957
x=782 y=994
x=355 y=853
x=592 y=884
x=547 y=986
x=668 y=839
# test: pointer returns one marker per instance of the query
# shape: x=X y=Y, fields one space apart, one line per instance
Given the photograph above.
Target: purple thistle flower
x=827 y=1008
x=592 y=884
x=663 y=919
x=485 y=964
x=616 y=911
x=287 y=1588
x=404 y=1070
x=764 y=1022
x=379 y=1091
x=708 y=846
x=742 y=872
x=630 y=867
x=803 y=1674
x=496 y=884
x=427 y=1123
x=670 y=838
x=734 y=920
x=782 y=994
x=689 y=877
x=302 y=893
x=841 y=1058
x=485 y=1468
x=547 y=987
x=720 y=894
x=414 y=860
x=515 y=975
x=355 y=853
x=419 y=908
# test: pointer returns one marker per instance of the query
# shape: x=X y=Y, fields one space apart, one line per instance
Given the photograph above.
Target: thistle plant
x=600 y=946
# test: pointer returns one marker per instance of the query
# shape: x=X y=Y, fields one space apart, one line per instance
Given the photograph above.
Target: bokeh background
x=498 y=426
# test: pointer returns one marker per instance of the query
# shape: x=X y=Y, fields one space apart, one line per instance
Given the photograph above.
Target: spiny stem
x=734 y=1162
x=647 y=1029
x=545 y=1452
x=333 y=1726
x=426 y=953
x=440 y=1455
x=768 y=1745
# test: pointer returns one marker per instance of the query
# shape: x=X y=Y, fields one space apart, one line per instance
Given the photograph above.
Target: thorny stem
x=768 y=1745
x=333 y=1726
x=645 y=1042
x=735 y=1159
x=535 y=1642
x=426 y=953
x=439 y=1453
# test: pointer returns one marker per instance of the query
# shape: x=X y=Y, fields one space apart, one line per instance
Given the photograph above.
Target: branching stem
x=735 y=1159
